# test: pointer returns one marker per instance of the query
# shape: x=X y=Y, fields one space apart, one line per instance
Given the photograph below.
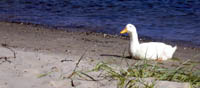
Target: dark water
x=174 y=20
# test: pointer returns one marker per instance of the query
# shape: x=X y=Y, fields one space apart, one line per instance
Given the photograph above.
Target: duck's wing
x=151 y=50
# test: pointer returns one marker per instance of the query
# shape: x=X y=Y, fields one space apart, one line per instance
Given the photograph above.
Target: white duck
x=151 y=50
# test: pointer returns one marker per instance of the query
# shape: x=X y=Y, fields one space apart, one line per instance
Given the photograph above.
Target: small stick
x=72 y=83
x=77 y=65
x=79 y=60
x=70 y=76
x=6 y=46
x=89 y=76
x=5 y=59
x=14 y=54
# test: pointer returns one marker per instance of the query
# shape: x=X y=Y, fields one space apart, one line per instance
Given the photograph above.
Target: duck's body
x=150 y=50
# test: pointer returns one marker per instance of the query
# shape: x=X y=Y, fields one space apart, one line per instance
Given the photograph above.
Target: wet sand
x=28 y=51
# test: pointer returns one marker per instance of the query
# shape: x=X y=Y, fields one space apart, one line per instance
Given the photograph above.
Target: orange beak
x=124 y=31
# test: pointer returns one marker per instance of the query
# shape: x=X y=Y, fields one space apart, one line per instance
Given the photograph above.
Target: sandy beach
x=28 y=51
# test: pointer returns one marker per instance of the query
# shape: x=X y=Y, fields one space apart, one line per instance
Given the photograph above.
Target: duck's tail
x=174 y=48
x=169 y=52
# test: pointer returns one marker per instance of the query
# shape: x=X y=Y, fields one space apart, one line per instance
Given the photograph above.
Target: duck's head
x=130 y=28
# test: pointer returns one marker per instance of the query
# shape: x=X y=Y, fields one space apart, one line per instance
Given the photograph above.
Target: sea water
x=170 y=20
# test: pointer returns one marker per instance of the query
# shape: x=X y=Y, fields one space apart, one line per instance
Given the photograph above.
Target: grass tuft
x=184 y=72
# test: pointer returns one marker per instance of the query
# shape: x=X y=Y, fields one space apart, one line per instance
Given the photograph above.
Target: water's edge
x=88 y=31
x=159 y=20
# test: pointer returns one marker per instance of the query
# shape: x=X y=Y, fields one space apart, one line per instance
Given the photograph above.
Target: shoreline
x=90 y=37
x=185 y=44
x=41 y=50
